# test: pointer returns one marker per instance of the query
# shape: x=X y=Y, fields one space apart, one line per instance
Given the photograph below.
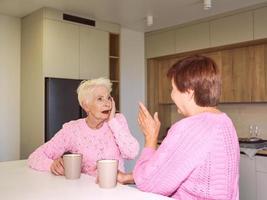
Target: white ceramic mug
x=72 y=165
x=107 y=173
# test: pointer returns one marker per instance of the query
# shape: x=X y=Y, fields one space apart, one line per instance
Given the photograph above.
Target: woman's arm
x=44 y=156
x=128 y=145
x=162 y=171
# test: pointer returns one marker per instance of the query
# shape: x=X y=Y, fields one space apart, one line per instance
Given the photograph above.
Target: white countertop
x=19 y=182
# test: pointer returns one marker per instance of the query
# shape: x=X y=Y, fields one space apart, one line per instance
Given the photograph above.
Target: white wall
x=9 y=88
x=132 y=87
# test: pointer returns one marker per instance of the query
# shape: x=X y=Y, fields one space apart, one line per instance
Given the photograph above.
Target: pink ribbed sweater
x=198 y=159
x=112 y=141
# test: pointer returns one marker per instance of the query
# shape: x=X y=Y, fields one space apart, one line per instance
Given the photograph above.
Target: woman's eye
x=99 y=99
x=109 y=98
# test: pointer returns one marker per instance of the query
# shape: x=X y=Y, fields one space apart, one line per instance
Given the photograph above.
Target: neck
x=199 y=109
x=93 y=122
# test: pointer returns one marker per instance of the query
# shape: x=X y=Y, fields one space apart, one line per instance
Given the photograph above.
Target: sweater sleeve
x=42 y=158
x=127 y=144
x=162 y=171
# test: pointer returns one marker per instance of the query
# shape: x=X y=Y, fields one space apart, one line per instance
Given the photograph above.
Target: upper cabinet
x=232 y=29
x=94 y=53
x=61 y=49
x=260 y=21
x=160 y=44
x=192 y=37
x=74 y=51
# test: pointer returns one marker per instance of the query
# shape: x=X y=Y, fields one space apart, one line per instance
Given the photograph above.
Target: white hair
x=86 y=88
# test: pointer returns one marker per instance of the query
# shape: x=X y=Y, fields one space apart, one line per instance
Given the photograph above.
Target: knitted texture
x=198 y=159
x=112 y=141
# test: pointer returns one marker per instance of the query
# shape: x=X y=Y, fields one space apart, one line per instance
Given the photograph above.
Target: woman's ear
x=85 y=106
x=190 y=94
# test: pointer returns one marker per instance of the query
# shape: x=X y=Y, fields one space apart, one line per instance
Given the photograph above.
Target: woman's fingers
x=57 y=167
x=144 y=110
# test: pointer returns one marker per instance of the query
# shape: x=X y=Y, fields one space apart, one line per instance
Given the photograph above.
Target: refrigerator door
x=61 y=104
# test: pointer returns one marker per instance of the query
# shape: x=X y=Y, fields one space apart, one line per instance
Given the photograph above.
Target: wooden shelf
x=114 y=67
x=114 y=57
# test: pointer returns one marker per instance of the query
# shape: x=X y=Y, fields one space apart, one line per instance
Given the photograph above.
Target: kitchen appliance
x=61 y=104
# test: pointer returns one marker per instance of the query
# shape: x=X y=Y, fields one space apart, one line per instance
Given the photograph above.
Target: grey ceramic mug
x=107 y=173
x=72 y=165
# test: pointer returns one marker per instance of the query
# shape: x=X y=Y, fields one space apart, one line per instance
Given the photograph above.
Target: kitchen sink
x=252 y=143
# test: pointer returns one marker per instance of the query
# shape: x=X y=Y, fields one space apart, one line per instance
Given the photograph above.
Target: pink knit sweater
x=112 y=141
x=198 y=159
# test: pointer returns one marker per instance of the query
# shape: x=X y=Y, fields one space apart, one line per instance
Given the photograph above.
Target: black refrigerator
x=61 y=104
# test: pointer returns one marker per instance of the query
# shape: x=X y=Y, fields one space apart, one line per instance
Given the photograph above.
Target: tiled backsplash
x=243 y=115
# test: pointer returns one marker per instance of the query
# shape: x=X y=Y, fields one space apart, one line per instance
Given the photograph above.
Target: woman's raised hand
x=113 y=109
x=149 y=125
x=57 y=167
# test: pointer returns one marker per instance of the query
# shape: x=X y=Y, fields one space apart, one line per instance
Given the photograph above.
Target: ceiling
x=132 y=13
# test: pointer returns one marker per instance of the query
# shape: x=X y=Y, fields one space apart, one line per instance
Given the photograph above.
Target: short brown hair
x=200 y=74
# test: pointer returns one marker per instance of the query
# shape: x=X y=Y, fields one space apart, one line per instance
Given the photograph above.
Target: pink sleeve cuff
x=147 y=152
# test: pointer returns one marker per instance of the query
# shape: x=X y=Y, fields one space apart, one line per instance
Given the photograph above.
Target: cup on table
x=107 y=173
x=72 y=165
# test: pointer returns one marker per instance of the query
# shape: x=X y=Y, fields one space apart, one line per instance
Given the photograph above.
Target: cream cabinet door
x=160 y=44
x=94 y=53
x=61 y=49
x=192 y=37
x=231 y=29
x=260 y=21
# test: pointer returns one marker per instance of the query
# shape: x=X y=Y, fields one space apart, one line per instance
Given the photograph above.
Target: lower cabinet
x=261 y=171
x=253 y=178
x=247 y=180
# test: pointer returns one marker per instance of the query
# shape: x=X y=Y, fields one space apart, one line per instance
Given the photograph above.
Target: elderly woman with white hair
x=101 y=135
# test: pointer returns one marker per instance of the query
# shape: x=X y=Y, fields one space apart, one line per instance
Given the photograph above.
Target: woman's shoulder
x=120 y=117
x=74 y=124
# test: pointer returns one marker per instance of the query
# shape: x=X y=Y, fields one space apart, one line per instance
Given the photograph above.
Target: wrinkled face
x=99 y=105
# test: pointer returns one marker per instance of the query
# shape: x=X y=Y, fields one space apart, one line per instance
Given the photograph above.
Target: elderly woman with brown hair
x=101 y=135
x=199 y=158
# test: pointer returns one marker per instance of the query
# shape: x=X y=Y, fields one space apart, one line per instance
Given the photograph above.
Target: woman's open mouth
x=106 y=112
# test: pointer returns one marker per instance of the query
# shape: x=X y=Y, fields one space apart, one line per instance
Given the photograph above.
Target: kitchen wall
x=243 y=115
x=132 y=73
x=9 y=88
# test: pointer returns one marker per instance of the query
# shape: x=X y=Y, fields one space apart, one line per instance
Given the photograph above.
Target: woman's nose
x=107 y=103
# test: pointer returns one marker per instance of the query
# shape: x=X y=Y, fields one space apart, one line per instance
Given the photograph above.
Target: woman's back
x=216 y=176
x=199 y=159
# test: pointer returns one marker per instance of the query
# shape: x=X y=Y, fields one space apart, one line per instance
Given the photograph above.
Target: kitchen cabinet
x=261 y=170
x=192 y=37
x=223 y=31
x=94 y=53
x=260 y=21
x=259 y=74
x=247 y=179
x=61 y=49
x=74 y=51
x=160 y=44
x=243 y=72
x=253 y=177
